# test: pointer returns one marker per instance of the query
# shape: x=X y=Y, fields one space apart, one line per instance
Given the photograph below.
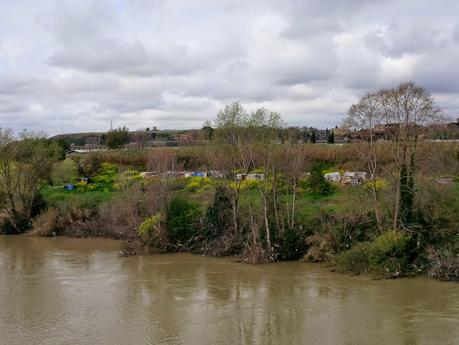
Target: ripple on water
x=64 y=292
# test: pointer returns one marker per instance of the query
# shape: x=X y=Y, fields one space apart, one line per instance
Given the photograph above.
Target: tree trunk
x=396 y=208
x=293 y=205
x=376 y=206
x=268 y=232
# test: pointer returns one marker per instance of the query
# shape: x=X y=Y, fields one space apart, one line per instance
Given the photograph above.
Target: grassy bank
x=332 y=223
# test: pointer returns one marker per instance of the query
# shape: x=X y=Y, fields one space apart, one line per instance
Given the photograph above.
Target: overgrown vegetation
x=269 y=200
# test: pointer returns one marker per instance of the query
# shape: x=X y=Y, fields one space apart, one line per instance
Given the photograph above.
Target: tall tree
x=117 y=138
x=403 y=114
x=331 y=137
x=313 y=137
x=264 y=127
x=293 y=160
x=231 y=133
x=25 y=167
x=364 y=118
x=207 y=131
x=408 y=111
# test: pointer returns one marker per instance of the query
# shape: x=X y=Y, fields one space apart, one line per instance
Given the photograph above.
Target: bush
x=389 y=252
x=153 y=233
x=219 y=214
x=198 y=184
x=15 y=225
x=444 y=262
x=47 y=223
x=38 y=205
x=321 y=248
x=65 y=171
x=105 y=179
x=150 y=225
x=246 y=184
x=380 y=185
x=117 y=138
x=182 y=220
x=121 y=216
x=292 y=245
x=91 y=164
x=318 y=185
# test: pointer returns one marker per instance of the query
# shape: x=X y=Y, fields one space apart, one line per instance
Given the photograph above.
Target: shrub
x=65 y=171
x=117 y=138
x=389 y=252
x=91 y=164
x=292 y=245
x=128 y=178
x=104 y=180
x=321 y=247
x=444 y=262
x=153 y=233
x=182 y=220
x=196 y=183
x=16 y=224
x=38 y=205
x=246 y=184
x=150 y=225
x=379 y=184
x=121 y=216
x=47 y=223
x=219 y=214
x=318 y=185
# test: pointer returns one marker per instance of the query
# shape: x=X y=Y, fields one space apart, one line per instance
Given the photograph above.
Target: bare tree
x=264 y=127
x=408 y=111
x=366 y=118
x=164 y=163
x=403 y=114
x=231 y=134
x=293 y=160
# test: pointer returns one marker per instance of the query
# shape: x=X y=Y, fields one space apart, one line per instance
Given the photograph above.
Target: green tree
x=26 y=163
x=313 y=137
x=317 y=182
x=331 y=137
x=117 y=138
x=64 y=146
x=207 y=132
x=219 y=216
x=182 y=221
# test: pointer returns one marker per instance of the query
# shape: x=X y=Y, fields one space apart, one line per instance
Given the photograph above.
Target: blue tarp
x=69 y=186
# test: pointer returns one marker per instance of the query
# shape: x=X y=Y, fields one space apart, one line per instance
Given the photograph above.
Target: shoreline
x=234 y=259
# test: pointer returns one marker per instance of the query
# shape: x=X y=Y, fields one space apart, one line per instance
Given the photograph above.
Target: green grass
x=307 y=205
x=57 y=195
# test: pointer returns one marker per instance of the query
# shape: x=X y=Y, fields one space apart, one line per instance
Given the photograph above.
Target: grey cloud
x=456 y=33
x=406 y=38
x=74 y=66
x=101 y=55
x=316 y=17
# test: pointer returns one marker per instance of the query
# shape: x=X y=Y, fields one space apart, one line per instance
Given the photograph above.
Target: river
x=78 y=291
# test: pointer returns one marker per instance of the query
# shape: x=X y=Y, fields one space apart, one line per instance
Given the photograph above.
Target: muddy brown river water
x=78 y=291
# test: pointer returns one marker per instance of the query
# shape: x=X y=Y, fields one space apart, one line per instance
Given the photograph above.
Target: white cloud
x=69 y=66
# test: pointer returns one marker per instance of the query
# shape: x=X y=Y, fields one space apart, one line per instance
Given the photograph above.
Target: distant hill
x=93 y=138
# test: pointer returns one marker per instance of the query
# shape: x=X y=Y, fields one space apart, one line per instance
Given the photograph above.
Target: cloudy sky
x=71 y=66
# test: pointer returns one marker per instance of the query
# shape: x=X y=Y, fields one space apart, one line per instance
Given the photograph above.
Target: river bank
x=184 y=200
